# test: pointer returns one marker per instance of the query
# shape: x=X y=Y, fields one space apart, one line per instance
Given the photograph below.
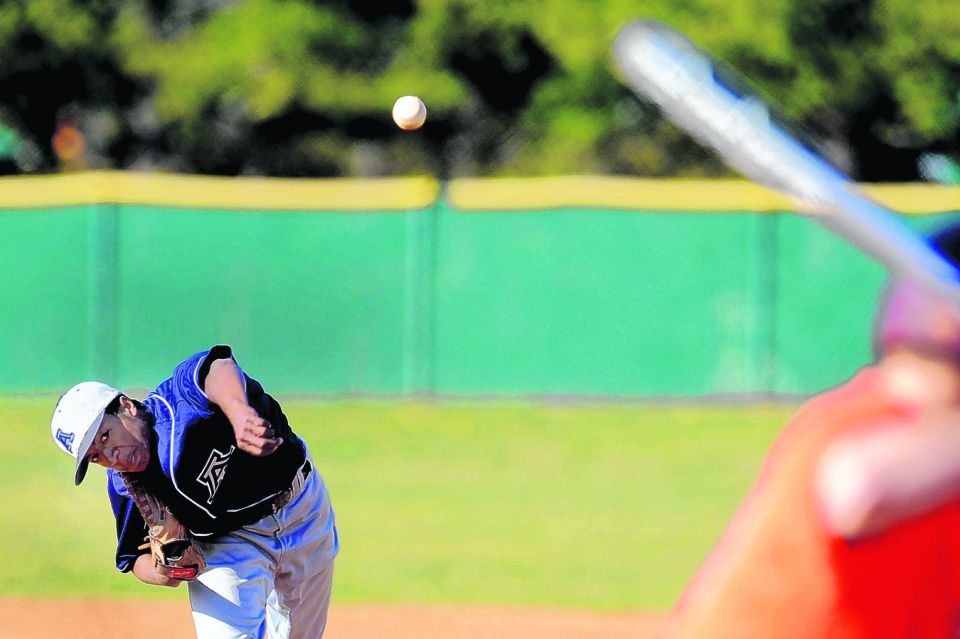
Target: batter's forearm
x=867 y=483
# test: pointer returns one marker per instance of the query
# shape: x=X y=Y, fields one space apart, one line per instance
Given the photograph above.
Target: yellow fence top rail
x=194 y=191
x=491 y=194
x=411 y=193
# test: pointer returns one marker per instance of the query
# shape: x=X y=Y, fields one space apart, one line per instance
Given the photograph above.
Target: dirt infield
x=138 y=619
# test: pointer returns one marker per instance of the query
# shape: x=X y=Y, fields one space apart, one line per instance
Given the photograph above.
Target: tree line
x=304 y=87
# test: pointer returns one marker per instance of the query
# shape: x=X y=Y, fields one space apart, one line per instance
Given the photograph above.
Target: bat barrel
x=710 y=103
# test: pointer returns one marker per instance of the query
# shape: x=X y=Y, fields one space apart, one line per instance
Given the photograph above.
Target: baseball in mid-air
x=409 y=112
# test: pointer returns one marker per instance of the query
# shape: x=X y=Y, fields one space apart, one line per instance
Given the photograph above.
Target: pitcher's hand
x=254 y=434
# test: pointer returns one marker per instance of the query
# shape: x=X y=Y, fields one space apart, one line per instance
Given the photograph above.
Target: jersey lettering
x=66 y=440
x=214 y=470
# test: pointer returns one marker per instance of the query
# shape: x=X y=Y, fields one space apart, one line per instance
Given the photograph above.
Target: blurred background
x=538 y=347
x=304 y=88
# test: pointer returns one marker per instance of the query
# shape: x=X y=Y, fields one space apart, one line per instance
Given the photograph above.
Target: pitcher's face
x=121 y=442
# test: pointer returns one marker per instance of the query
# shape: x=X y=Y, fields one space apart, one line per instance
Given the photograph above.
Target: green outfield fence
x=580 y=286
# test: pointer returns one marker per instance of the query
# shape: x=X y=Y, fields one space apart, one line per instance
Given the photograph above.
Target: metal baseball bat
x=703 y=98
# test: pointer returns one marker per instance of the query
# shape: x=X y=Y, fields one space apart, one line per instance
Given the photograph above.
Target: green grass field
x=590 y=506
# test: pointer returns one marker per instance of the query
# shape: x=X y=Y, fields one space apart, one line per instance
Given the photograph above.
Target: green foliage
x=304 y=87
x=602 y=506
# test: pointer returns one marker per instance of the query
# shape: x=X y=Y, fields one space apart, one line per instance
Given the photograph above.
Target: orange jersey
x=777 y=572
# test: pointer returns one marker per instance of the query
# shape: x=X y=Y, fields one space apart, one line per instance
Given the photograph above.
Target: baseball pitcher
x=210 y=485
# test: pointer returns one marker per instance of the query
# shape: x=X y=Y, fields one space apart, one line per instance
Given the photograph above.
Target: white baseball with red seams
x=409 y=112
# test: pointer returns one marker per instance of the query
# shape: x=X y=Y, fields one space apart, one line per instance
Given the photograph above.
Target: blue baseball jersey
x=195 y=467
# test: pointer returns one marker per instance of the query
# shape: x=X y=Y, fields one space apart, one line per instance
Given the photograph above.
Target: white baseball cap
x=76 y=420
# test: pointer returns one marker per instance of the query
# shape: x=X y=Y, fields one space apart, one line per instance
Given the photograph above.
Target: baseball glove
x=174 y=551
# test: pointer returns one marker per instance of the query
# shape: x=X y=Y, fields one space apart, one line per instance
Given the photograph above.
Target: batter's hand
x=254 y=434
